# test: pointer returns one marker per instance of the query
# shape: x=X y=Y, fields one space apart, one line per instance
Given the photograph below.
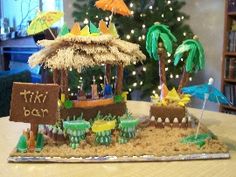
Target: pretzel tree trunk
x=56 y=75
x=119 y=81
x=108 y=72
x=162 y=72
x=64 y=82
x=184 y=79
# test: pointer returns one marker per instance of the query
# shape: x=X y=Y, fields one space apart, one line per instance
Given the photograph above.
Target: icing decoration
x=75 y=30
x=85 y=31
x=64 y=30
x=103 y=27
x=112 y=30
x=93 y=28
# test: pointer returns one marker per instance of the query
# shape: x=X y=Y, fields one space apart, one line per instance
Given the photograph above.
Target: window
x=19 y=12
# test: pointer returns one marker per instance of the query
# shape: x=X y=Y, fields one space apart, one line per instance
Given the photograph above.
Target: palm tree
x=193 y=52
x=159 y=44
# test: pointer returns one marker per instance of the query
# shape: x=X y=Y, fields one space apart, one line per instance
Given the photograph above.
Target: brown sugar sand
x=148 y=141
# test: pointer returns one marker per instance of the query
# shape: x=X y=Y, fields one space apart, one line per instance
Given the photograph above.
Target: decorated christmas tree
x=140 y=76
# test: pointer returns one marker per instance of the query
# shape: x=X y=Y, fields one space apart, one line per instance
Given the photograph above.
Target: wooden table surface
x=223 y=125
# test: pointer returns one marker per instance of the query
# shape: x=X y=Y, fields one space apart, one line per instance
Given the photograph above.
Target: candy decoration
x=93 y=28
x=68 y=104
x=124 y=95
x=108 y=91
x=64 y=30
x=112 y=30
x=103 y=128
x=22 y=144
x=63 y=97
x=85 y=31
x=117 y=6
x=103 y=27
x=39 y=142
x=200 y=141
x=75 y=30
x=31 y=142
x=127 y=128
x=164 y=91
x=173 y=95
x=155 y=98
x=104 y=137
x=76 y=130
x=118 y=99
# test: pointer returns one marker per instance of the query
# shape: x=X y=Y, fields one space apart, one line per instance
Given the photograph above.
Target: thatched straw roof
x=85 y=51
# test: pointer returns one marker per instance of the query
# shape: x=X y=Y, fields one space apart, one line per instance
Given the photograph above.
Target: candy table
x=223 y=125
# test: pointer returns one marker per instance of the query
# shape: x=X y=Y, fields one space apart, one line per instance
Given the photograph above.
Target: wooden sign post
x=35 y=104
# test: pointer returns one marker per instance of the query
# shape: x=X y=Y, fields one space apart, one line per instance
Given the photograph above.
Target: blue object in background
x=18 y=61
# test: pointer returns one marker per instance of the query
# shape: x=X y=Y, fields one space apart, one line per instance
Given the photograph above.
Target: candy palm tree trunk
x=162 y=72
x=119 y=81
x=184 y=79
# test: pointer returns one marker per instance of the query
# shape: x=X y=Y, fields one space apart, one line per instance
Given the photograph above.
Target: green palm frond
x=179 y=53
x=167 y=42
x=195 y=59
x=159 y=33
x=166 y=29
x=190 y=58
x=154 y=47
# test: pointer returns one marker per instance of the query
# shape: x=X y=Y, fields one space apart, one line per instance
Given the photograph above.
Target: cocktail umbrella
x=43 y=21
x=115 y=6
x=205 y=92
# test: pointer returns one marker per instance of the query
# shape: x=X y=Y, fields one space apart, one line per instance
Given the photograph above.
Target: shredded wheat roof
x=85 y=51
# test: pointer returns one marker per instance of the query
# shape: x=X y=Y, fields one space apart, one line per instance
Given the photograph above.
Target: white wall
x=207 y=21
x=68 y=9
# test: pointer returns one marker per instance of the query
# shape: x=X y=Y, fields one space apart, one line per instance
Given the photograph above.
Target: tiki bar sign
x=34 y=103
